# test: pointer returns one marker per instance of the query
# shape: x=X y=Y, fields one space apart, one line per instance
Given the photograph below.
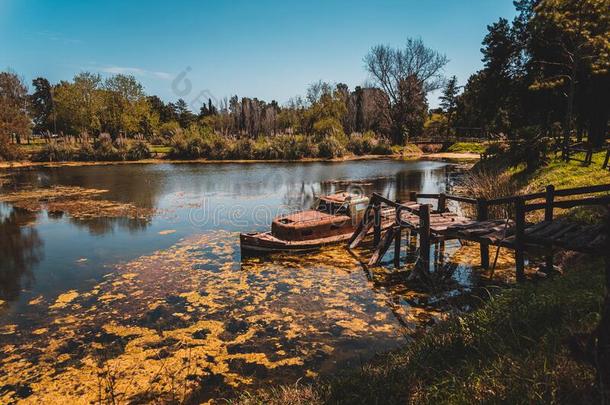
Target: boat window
x=328 y=207
x=325 y=207
x=285 y=221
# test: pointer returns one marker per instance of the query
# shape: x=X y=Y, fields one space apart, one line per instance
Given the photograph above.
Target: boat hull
x=257 y=243
x=264 y=242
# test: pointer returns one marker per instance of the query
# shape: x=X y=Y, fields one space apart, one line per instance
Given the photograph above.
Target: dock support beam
x=377 y=224
x=397 y=236
x=442 y=203
x=519 y=238
x=424 y=236
x=483 y=215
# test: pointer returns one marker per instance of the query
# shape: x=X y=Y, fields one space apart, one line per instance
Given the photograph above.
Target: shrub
x=243 y=149
x=170 y=129
x=55 y=152
x=219 y=148
x=85 y=152
x=533 y=150
x=138 y=150
x=489 y=184
x=383 y=147
x=9 y=151
x=360 y=144
x=331 y=147
x=105 y=150
x=329 y=127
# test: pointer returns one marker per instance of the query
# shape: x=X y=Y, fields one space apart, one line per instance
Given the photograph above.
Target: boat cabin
x=332 y=215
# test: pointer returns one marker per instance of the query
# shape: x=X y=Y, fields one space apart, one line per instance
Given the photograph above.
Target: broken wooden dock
x=435 y=223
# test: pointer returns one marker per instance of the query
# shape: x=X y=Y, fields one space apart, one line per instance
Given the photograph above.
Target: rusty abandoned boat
x=333 y=219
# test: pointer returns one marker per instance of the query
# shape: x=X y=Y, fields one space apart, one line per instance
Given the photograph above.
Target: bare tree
x=399 y=72
x=389 y=67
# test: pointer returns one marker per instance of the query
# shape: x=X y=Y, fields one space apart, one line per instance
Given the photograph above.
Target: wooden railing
x=522 y=207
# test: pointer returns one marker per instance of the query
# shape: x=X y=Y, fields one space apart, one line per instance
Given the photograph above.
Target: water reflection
x=20 y=249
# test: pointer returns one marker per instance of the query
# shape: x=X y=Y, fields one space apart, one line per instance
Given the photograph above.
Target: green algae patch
x=78 y=202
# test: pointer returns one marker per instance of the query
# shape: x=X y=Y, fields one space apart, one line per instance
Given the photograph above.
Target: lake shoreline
x=431 y=156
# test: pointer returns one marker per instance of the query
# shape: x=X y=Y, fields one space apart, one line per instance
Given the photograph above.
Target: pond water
x=162 y=304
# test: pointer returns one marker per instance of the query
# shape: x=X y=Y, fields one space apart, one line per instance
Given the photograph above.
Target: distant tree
x=207 y=109
x=448 y=100
x=414 y=68
x=14 y=120
x=41 y=105
x=79 y=105
x=185 y=116
x=125 y=106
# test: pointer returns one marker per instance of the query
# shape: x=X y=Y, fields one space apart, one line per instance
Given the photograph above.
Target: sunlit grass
x=468 y=147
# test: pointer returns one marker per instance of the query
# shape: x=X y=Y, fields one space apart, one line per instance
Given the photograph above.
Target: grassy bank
x=526 y=344
x=468 y=147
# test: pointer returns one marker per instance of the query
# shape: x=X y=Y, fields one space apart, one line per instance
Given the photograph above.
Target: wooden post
x=519 y=238
x=413 y=196
x=424 y=236
x=377 y=225
x=482 y=215
x=548 y=216
x=441 y=252
x=605 y=165
x=411 y=246
x=397 y=236
x=442 y=203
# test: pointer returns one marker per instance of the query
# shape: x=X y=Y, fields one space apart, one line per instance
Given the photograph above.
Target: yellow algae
x=191 y=316
x=36 y=301
x=111 y=297
x=64 y=299
x=8 y=329
x=354 y=325
x=40 y=331
x=167 y=232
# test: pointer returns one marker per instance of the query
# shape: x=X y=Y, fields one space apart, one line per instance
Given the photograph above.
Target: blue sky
x=266 y=49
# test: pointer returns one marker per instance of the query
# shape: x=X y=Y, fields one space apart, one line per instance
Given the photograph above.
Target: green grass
x=160 y=149
x=571 y=174
x=468 y=147
x=34 y=147
x=513 y=349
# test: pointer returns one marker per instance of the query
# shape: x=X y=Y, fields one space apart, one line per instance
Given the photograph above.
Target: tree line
x=546 y=72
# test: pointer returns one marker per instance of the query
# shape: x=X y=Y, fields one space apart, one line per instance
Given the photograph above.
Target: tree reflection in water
x=20 y=250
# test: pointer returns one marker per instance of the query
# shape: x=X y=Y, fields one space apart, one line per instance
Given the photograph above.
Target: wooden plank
x=382 y=247
x=363 y=232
